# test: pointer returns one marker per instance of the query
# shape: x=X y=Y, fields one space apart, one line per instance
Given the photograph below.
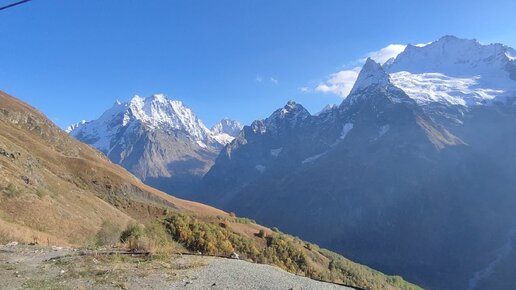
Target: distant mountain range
x=56 y=191
x=412 y=173
x=159 y=140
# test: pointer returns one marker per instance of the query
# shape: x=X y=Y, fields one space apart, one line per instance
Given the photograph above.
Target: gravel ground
x=236 y=274
x=34 y=267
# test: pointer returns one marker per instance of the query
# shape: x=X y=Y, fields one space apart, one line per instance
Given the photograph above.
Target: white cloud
x=260 y=79
x=386 y=53
x=304 y=89
x=423 y=44
x=340 y=83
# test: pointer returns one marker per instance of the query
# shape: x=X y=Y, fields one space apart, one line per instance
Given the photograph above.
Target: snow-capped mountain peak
x=227 y=126
x=372 y=83
x=151 y=113
x=372 y=74
x=74 y=126
x=452 y=56
x=156 y=138
x=159 y=111
x=455 y=71
x=292 y=113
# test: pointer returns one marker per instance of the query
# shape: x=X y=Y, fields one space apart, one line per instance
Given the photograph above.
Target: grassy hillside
x=55 y=190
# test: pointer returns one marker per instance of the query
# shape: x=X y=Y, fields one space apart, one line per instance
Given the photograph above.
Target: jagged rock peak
x=153 y=112
x=291 y=110
x=227 y=126
x=326 y=109
x=74 y=126
x=372 y=74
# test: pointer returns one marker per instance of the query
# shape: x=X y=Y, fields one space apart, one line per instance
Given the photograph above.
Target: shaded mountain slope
x=382 y=179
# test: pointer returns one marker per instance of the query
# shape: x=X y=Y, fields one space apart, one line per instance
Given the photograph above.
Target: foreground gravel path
x=34 y=267
x=236 y=274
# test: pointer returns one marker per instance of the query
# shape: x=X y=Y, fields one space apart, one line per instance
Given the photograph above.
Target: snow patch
x=276 y=152
x=313 y=158
x=201 y=144
x=223 y=138
x=426 y=88
x=260 y=168
x=383 y=130
x=75 y=126
x=345 y=130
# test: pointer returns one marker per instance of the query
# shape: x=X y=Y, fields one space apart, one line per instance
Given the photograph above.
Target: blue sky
x=242 y=58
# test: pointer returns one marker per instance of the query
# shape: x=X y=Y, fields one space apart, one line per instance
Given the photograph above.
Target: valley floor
x=35 y=267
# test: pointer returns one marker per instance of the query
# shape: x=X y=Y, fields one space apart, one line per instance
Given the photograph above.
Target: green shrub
x=158 y=241
x=282 y=252
x=153 y=239
x=133 y=237
x=242 y=220
x=204 y=237
x=11 y=190
x=211 y=238
x=261 y=234
x=108 y=234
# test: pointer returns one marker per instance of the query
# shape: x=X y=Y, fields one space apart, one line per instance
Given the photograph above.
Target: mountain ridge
x=455 y=71
x=390 y=161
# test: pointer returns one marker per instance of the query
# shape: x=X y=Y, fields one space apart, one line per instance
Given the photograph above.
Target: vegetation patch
x=152 y=238
x=108 y=235
x=212 y=239
x=350 y=273
x=282 y=250
x=11 y=190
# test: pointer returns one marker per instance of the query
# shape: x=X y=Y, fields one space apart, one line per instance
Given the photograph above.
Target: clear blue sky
x=73 y=58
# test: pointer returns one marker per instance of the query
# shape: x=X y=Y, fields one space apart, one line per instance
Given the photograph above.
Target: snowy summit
x=455 y=71
x=151 y=113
